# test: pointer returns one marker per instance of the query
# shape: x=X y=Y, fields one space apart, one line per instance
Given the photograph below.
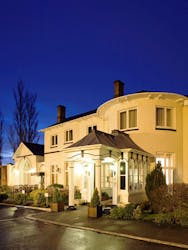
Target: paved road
x=17 y=232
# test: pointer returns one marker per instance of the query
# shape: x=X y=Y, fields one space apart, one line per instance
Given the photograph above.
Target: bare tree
x=25 y=118
x=1 y=135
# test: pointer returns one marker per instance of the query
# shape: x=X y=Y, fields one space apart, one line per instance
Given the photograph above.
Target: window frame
x=168 y=169
x=123 y=176
x=165 y=125
x=68 y=135
x=54 y=140
x=127 y=119
x=91 y=128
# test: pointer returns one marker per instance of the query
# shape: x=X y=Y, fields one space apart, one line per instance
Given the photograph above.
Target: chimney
x=118 y=88
x=61 y=112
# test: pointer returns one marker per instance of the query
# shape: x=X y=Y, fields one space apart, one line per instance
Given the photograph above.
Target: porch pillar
x=98 y=177
x=71 y=184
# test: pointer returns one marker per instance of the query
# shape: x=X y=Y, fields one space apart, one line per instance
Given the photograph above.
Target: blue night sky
x=70 y=52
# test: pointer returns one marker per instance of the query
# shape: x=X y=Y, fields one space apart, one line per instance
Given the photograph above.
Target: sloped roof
x=117 y=140
x=36 y=149
x=76 y=117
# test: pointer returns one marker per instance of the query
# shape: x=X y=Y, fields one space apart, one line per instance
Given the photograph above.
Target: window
x=69 y=135
x=54 y=140
x=128 y=119
x=122 y=175
x=164 y=117
x=138 y=165
x=54 y=174
x=91 y=128
x=167 y=164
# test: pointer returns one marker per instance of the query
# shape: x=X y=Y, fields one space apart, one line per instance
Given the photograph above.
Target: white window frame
x=54 y=140
x=69 y=135
x=54 y=174
x=163 y=158
x=127 y=125
x=123 y=175
x=165 y=121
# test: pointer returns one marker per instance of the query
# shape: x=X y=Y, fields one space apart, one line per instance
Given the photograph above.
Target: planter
x=57 y=206
x=95 y=212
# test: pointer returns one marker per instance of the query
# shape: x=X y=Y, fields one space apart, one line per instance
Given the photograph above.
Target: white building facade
x=85 y=151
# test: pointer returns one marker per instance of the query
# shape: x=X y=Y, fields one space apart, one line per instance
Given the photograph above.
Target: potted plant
x=95 y=208
x=57 y=203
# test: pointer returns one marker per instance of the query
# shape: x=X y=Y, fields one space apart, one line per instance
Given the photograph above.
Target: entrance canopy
x=102 y=160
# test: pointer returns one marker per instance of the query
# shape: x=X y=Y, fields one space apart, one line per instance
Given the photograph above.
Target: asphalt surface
x=143 y=231
x=18 y=232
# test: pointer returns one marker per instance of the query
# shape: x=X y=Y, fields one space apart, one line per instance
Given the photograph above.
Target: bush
x=38 y=197
x=57 y=196
x=123 y=213
x=164 y=218
x=161 y=200
x=180 y=194
x=3 y=196
x=105 y=196
x=154 y=180
x=181 y=216
x=77 y=194
x=5 y=189
x=137 y=213
x=20 y=199
x=95 y=200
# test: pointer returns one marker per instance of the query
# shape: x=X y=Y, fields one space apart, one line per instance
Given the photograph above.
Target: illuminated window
x=54 y=174
x=69 y=135
x=164 y=117
x=128 y=119
x=138 y=169
x=54 y=140
x=122 y=175
x=167 y=164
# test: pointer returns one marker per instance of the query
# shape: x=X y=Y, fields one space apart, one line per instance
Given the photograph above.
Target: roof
x=36 y=149
x=75 y=117
x=117 y=139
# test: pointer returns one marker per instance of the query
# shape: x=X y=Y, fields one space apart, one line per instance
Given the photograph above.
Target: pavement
x=144 y=231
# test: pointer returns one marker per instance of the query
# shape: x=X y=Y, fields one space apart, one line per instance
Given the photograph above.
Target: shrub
x=180 y=194
x=3 y=196
x=137 y=213
x=65 y=196
x=20 y=198
x=38 y=197
x=154 y=180
x=146 y=207
x=95 y=200
x=124 y=213
x=164 y=218
x=105 y=196
x=117 y=213
x=181 y=216
x=77 y=194
x=57 y=196
x=161 y=200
